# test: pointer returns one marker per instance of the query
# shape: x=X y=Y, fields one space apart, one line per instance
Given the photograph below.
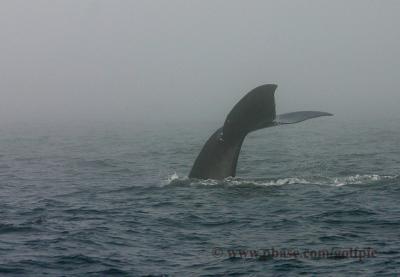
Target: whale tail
x=256 y=110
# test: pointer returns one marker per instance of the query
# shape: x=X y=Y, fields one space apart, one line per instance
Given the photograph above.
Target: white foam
x=361 y=179
x=277 y=182
x=315 y=180
x=173 y=177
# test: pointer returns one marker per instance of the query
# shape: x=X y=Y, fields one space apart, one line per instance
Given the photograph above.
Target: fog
x=193 y=60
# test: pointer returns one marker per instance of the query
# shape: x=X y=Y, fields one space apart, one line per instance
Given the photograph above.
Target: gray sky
x=168 y=60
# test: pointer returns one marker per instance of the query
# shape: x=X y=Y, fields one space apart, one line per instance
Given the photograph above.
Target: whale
x=256 y=110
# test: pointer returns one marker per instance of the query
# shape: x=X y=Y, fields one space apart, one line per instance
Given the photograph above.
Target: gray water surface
x=113 y=199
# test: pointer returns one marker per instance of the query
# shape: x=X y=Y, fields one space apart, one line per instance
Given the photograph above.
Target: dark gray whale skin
x=256 y=110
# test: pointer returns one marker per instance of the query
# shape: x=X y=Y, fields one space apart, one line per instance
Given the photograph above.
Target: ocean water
x=316 y=198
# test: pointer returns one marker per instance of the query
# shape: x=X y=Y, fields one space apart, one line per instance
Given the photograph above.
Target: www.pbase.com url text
x=284 y=253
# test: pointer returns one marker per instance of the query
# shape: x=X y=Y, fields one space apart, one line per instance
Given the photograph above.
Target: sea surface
x=320 y=197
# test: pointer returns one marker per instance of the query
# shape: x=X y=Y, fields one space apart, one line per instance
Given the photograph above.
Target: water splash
x=173 y=177
x=357 y=179
x=361 y=179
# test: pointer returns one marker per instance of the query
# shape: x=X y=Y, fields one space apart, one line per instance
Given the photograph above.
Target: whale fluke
x=296 y=117
x=256 y=110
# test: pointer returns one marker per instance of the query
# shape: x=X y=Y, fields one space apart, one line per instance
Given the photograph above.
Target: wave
x=357 y=179
x=11 y=228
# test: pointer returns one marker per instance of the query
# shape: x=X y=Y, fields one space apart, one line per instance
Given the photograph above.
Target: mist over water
x=152 y=61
